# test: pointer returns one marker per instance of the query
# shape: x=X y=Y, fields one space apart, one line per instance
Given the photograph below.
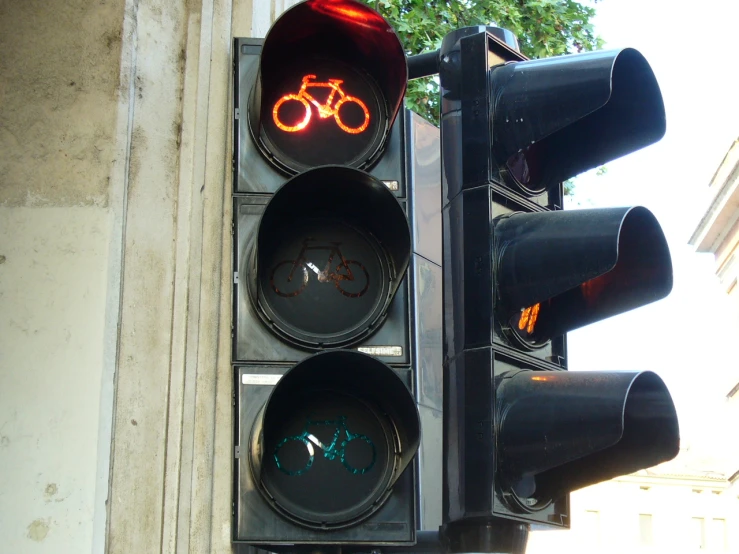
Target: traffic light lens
x=529 y=325
x=519 y=168
x=523 y=168
x=332 y=247
x=562 y=431
x=324 y=278
x=529 y=316
x=292 y=112
x=328 y=459
x=323 y=112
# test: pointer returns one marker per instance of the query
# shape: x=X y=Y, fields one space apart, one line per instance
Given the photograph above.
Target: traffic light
x=326 y=422
x=521 y=432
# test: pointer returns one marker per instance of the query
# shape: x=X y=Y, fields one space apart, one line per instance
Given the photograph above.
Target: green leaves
x=544 y=28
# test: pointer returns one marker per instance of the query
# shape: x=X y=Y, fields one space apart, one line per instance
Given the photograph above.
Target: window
x=698 y=533
x=718 y=535
x=645 y=530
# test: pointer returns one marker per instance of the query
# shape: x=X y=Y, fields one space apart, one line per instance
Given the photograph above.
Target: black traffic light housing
x=327 y=425
x=521 y=432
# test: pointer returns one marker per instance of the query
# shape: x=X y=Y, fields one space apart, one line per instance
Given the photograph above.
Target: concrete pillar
x=115 y=272
x=61 y=163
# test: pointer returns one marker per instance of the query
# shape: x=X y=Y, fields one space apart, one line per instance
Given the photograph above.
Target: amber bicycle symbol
x=290 y=277
x=324 y=110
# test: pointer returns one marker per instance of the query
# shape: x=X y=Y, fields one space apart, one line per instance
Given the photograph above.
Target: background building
x=718 y=234
x=680 y=506
x=718 y=230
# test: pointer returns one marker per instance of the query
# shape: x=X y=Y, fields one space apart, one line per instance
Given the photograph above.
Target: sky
x=691 y=338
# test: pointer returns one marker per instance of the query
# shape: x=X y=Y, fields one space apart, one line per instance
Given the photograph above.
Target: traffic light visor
x=335 y=435
x=563 y=430
x=557 y=117
x=557 y=271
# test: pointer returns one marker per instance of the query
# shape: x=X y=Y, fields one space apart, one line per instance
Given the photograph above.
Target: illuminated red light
x=324 y=109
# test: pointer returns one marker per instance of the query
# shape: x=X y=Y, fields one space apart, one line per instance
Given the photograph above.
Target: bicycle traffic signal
x=330 y=83
x=521 y=432
x=326 y=422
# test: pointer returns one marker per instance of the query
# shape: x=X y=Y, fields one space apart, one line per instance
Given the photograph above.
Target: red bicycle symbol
x=324 y=110
x=290 y=277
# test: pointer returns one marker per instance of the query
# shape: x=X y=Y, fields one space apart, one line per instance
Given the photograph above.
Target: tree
x=544 y=28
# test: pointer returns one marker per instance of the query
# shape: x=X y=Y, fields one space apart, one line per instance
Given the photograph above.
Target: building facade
x=115 y=388
x=677 y=507
x=718 y=231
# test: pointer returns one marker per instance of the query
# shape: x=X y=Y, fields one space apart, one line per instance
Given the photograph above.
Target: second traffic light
x=521 y=432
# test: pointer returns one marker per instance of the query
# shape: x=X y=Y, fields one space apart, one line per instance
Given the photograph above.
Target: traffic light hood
x=564 y=115
x=339 y=29
x=581 y=265
x=560 y=431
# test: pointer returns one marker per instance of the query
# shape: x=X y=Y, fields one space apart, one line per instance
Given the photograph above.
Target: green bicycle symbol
x=330 y=452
